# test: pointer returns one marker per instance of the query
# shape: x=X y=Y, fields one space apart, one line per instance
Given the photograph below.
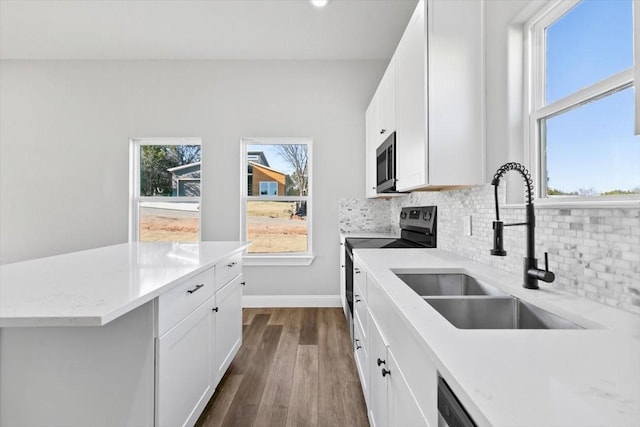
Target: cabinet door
x=372 y=142
x=183 y=369
x=378 y=415
x=411 y=152
x=227 y=326
x=403 y=407
x=456 y=92
x=387 y=102
x=361 y=355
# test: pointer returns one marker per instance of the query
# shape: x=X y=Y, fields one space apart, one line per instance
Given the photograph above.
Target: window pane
x=277 y=227
x=592 y=150
x=170 y=170
x=169 y=222
x=285 y=165
x=592 y=41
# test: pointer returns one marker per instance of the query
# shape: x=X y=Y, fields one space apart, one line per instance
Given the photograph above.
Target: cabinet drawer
x=361 y=317
x=174 y=305
x=362 y=360
x=228 y=269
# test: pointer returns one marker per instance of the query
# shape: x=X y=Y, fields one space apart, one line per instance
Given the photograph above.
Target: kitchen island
x=502 y=377
x=135 y=334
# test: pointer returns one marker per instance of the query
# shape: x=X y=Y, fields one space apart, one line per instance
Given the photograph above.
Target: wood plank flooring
x=295 y=369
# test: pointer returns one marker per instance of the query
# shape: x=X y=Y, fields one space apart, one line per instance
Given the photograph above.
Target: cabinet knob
x=380 y=361
x=231 y=264
x=190 y=291
x=215 y=309
x=385 y=372
x=356 y=270
x=374 y=188
x=382 y=131
x=243 y=283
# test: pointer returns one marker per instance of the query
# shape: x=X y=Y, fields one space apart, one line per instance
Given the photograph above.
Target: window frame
x=135 y=199
x=535 y=110
x=276 y=258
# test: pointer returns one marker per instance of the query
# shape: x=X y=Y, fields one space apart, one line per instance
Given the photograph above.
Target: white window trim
x=534 y=108
x=276 y=259
x=134 y=183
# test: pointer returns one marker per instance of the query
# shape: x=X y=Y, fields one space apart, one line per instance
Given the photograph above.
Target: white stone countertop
x=588 y=377
x=94 y=287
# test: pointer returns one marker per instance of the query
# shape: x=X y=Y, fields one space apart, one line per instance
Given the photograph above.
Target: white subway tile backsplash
x=595 y=253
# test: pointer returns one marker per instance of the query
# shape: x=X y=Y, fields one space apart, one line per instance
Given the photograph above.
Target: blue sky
x=592 y=146
x=274 y=159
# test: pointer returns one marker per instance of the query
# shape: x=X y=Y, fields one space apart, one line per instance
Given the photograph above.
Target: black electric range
x=417 y=230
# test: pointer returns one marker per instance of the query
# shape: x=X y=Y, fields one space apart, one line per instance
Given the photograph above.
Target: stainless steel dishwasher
x=451 y=413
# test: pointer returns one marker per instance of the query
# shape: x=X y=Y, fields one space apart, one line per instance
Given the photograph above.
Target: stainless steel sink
x=446 y=284
x=497 y=313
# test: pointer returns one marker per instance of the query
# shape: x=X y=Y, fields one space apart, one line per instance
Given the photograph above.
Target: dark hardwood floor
x=295 y=368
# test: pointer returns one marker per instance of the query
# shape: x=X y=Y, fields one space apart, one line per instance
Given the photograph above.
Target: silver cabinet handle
x=232 y=264
x=190 y=291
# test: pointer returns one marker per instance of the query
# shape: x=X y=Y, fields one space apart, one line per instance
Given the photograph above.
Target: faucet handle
x=545 y=275
x=546 y=261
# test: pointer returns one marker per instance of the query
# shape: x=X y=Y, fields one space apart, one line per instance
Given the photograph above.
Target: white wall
x=65 y=128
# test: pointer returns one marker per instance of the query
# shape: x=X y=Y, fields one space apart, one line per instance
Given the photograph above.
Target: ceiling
x=201 y=29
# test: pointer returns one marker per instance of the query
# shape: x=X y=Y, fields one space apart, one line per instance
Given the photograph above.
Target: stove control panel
x=418 y=218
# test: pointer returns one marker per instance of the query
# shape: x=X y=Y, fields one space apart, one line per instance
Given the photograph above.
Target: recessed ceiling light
x=319 y=3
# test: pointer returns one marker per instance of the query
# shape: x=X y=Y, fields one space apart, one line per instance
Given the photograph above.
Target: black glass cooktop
x=377 y=242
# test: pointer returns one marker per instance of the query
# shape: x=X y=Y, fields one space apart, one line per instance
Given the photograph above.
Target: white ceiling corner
x=201 y=29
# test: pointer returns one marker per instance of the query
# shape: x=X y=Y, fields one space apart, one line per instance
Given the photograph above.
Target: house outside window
x=276 y=200
x=580 y=103
x=165 y=190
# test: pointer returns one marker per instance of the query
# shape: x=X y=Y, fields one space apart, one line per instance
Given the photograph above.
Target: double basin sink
x=467 y=303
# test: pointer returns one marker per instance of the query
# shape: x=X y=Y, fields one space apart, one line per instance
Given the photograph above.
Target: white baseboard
x=255 y=301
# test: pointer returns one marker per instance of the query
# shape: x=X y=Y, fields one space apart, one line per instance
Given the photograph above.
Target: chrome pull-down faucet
x=531 y=272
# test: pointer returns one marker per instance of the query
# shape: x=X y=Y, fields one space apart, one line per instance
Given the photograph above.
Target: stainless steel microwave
x=386 y=165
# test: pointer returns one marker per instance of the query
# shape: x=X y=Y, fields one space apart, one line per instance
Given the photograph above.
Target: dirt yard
x=271 y=227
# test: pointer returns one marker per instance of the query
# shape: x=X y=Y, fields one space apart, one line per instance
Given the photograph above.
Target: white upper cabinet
x=456 y=92
x=438 y=99
x=371 y=120
x=380 y=120
x=387 y=102
x=411 y=148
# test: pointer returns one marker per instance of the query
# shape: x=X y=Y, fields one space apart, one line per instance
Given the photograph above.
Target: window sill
x=277 y=260
x=583 y=203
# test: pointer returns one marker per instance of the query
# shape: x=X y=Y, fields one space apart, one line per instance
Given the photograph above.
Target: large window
x=165 y=190
x=581 y=106
x=276 y=197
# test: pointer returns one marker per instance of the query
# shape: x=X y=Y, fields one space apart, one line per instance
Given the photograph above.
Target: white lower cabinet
x=183 y=368
x=378 y=408
x=226 y=326
x=402 y=406
x=193 y=355
x=392 y=403
x=398 y=380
